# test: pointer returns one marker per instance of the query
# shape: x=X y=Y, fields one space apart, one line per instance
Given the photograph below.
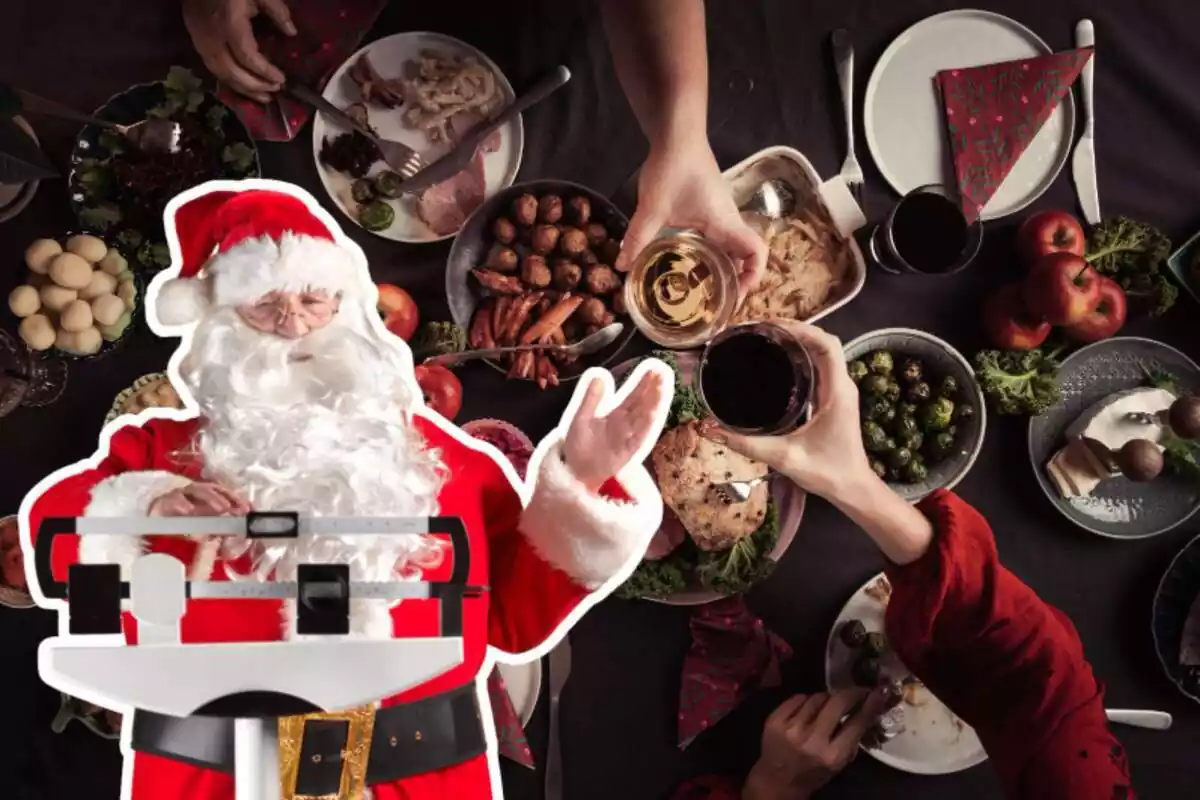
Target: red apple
x=1049 y=232
x=1105 y=319
x=441 y=388
x=1061 y=289
x=1007 y=324
x=398 y=309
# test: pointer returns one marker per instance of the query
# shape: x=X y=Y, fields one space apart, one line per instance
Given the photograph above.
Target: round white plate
x=14 y=197
x=905 y=122
x=934 y=741
x=524 y=684
x=388 y=56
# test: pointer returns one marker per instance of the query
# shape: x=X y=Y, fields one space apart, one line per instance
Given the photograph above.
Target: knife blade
x=460 y=157
x=1083 y=163
x=560 y=669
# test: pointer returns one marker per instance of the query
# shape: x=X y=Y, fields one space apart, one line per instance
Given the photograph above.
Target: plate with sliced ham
x=426 y=90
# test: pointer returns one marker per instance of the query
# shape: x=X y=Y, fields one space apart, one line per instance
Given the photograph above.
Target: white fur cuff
x=126 y=495
x=589 y=537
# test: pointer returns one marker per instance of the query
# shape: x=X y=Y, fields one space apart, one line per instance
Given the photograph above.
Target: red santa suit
x=539 y=560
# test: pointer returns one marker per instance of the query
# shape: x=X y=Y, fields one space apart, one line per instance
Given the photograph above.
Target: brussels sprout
x=889 y=445
x=914 y=471
x=938 y=415
x=964 y=412
x=940 y=447
x=952 y=430
x=879 y=468
x=875 y=645
x=363 y=191
x=912 y=371
x=918 y=458
x=893 y=475
x=906 y=425
x=865 y=672
x=858 y=370
x=874 y=437
x=907 y=410
x=853 y=633
x=387 y=183
x=874 y=385
x=875 y=408
x=881 y=362
x=892 y=393
x=886 y=416
x=948 y=387
x=919 y=393
x=912 y=440
x=899 y=457
x=376 y=215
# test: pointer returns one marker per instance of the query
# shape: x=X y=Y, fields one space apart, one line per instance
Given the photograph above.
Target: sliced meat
x=374 y=88
x=445 y=206
x=670 y=535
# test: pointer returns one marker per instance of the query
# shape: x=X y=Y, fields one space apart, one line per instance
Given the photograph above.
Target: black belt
x=407 y=739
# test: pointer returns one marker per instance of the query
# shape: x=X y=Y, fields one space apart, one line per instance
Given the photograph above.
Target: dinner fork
x=732 y=492
x=399 y=156
x=843 y=58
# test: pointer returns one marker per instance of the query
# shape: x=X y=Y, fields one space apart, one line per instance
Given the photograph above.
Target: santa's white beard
x=327 y=435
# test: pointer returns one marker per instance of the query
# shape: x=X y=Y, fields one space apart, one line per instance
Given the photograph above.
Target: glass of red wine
x=927 y=234
x=756 y=379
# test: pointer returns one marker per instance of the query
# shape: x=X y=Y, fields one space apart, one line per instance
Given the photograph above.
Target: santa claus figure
x=303 y=402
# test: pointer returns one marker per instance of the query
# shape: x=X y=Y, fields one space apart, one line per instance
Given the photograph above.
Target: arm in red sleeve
x=1007 y=663
x=564 y=545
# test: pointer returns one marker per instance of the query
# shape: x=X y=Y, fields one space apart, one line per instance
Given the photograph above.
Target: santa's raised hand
x=597 y=447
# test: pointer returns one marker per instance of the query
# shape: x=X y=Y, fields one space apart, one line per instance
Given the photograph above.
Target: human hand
x=222 y=35
x=805 y=743
x=681 y=186
x=199 y=500
x=826 y=455
x=597 y=448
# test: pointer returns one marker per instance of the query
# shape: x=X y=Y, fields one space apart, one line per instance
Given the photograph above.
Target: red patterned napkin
x=993 y=112
x=510 y=734
x=326 y=35
x=732 y=653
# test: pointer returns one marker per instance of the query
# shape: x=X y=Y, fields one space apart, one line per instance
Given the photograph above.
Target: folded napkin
x=732 y=654
x=326 y=35
x=510 y=734
x=994 y=111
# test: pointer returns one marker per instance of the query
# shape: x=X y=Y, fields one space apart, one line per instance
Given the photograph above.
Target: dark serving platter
x=91 y=195
x=1177 y=592
x=471 y=246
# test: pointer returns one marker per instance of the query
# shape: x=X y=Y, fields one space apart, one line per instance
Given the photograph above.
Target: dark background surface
x=772 y=83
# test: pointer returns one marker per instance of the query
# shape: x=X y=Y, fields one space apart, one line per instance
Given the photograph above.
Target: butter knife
x=460 y=157
x=560 y=668
x=1083 y=163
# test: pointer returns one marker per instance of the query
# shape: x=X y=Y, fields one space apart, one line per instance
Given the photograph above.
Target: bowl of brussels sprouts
x=922 y=410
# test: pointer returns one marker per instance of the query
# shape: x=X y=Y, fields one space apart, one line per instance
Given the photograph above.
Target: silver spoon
x=732 y=492
x=774 y=199
x=584 y=347
x=151 y=135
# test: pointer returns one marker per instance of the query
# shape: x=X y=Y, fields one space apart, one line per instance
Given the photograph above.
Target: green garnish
x=239 y=155
x=100 y=217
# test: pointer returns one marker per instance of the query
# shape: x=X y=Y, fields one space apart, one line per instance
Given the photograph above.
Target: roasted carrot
x=554 y=318
x=518 y=315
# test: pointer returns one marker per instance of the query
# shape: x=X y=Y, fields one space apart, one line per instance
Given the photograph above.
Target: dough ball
x=127 y=292
x=56 y=298
x=107 y=309
x=113 y=263
x=71 y=271
x=24 y=300
x=37 y=332
x=76 y=316
x=113 y=332
x=101 y=283
x=40 y=253
x=90 y=341
x=89 y=248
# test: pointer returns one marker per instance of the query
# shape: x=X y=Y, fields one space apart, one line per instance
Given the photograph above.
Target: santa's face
x=291 y=314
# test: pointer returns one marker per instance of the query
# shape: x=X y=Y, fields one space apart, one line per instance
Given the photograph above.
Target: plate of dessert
x=1117 y=454
x=427 y=91
x=920 y=734
x=1176 y=622
x=708 y=547
x=149 y=391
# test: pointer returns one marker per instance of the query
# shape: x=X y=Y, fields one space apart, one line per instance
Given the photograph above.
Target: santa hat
x=236 y=246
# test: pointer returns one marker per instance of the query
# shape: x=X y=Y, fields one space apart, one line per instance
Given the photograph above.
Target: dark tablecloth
x=772 y=83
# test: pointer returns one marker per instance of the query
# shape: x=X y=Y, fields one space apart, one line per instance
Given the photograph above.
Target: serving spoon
x=586 y=346
x=151 y=135
x=773 y=199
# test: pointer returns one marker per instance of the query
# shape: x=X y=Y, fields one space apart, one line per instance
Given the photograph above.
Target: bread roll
x=113 y=263
x=89 y=248
x=76 y=316
x=107 y=309
x=37 y=332
x=40 y=253
x=101 y=283
x=56 y=298
x=24 y=300
x=71 y=271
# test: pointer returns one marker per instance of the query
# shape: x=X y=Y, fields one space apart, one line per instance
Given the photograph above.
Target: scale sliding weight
x=251 y=682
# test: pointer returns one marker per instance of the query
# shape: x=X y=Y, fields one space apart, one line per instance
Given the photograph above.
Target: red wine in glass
x=756 y=379
x=926 y=233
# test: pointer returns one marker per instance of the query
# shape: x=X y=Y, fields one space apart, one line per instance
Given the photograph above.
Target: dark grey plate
x=1176 y=593
x=1119 y=509
x=471 y=246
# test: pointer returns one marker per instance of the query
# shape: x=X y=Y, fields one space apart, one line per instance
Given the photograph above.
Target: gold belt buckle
x=354 y=757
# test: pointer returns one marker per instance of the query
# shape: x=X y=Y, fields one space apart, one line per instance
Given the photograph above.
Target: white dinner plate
x=524 y=684
x=388 y=56
x=934 y=740
x=905 y=122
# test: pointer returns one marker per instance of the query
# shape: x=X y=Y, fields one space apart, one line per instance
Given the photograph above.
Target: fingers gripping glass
x=756 y=379
x=926 y=234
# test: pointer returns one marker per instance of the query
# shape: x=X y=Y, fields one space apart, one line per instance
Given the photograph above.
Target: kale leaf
x=1133 y=254
x=1019 y=381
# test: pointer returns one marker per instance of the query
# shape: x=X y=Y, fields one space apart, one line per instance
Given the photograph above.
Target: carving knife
x=1083 y=163
x=560 y=668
